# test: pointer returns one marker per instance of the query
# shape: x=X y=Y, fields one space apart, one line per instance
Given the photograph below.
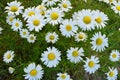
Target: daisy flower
x=33 y=72
x=63 y=76
x=8 y=56
x=99 y=42
x=30 y=12
x=75 y=54
x=31 y=38
x=68 y=28
x=51 y=37
x=14 y=7
x=114 y=55
x=116 y=7
x=81 y=36
x=36 y=22
x=86 y=21
x=112 y=74
x=11 y=70
x=91 y=65
x=41 y=9
x=54 y=16
x=16 y=25
x=51 y=57
x=1 y=30
x=65 y=5
x=10 y=19
x=49 y=2
x=24 y=33
x=100 y=19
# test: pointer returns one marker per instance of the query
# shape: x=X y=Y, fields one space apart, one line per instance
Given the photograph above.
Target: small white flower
x=10 y=19
x=49 y=2
x=24 y=33
x=16 y=25
x=11 y=70
x=114 y=55
x=63 y=76
x=116 y=7
x=81 y=36
x=31 y=38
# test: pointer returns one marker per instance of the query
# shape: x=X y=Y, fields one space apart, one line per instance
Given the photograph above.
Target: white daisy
x=49 y=2
x=116 y=7
x=54 y=16
x=112 y=74
x=114 y=55
x=1 y=30
x=31 y=38
x=14 y=7
x=10 y=19
x=36 y=22
x=85 y=20
x=16 y=25
x=24 y=33
x=68 y=28
x=75 y=54
x=41 y=9
x=51 y=37
x=100 y=19
x=65 y=5
x=81 y=36
x=63 y=76
x=99 y=42
x=51 y=57
x=30 y=12
x=33 y=72
x=8 y=56
x=11 y=70
x=91 y=65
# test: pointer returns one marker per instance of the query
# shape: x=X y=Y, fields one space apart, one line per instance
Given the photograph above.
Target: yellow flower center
x=110 y=1
x=91 y=64
x=114 y=55
x=51 y=56
x=87 y=19
x=52 y=37
x=42 y=13
x=99 y=41
x=24 y=33
x=31 y=13
x=118 y=8
x=13 y=8
x=33 y=72
x=16 y=24
x=54 y=15
x=111 y=74
x=75 y=53
x=68 y=27
x=11 y=19
x=63 y=76
x=31 y=38
x=64 y=5
x=81 y=36
x=36 y=22
x=8 y=56
x=98 y=20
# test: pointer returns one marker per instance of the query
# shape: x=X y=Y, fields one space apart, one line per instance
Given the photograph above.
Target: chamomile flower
x=116 y=7
x=99 y=42
x=30 y=12
x=86 y=21
x=75 y=54
x=100 y=19
x=63 y=76
x=31 y=38
x=24 y=33
x=41 y=9
x=51 y=57
x=49 y=2
x=16 y=25
x=33 y=72
x=10 y=19
x=91 y=65
x=1 y=30
x=8 y=56
x=54 y=16
x=112 y=74
x=36 y=23
x=65 y=5
x=11 y=70
x=114 y=55
x=51 y=37
x=81 y=36
x=14 y=7
x=68 y=28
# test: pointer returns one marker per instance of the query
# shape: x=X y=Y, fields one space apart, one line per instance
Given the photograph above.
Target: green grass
x=26 y=53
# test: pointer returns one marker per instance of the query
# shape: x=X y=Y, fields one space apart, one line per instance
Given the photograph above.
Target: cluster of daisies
x=35 y=19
